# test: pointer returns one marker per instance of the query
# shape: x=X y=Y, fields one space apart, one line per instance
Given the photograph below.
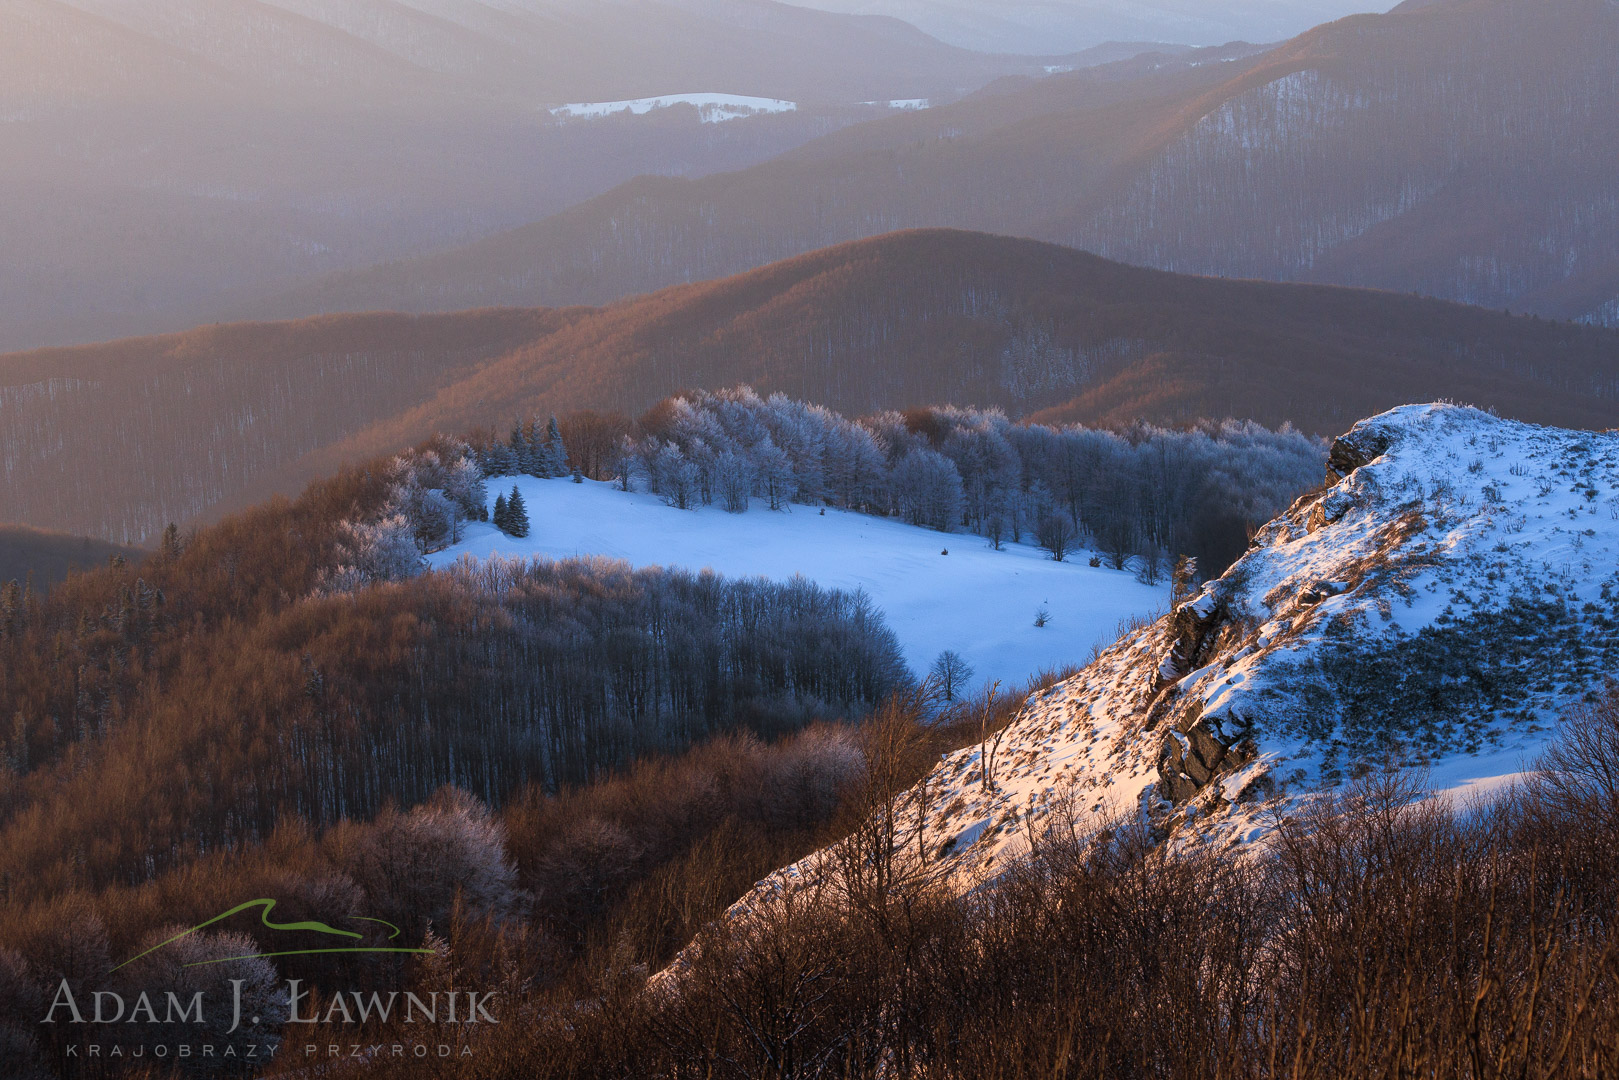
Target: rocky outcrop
x=1191 y=759
x=1356 y=450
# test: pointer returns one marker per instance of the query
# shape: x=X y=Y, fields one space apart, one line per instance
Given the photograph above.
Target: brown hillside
x=120 y=439
x=117 y=440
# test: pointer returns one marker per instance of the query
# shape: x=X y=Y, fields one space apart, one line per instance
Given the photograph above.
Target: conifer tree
x=556 y=454
x=516 y=514
x=522 y=449
x=170 y=548
x=501 y=515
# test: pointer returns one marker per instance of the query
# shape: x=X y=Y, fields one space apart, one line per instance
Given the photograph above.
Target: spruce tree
x=516 y=514
x=556 y=454
x=170 y=548
x=536 y=456
x=522 y=450
x=501 y=515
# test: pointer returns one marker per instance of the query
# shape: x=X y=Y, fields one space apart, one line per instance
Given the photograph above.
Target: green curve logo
x=264 y=917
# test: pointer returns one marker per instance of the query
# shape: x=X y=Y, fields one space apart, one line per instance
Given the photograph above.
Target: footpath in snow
x=975 y=600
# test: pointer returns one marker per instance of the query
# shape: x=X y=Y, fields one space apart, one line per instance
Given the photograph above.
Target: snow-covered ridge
x=1437 y=606
x=713 y=108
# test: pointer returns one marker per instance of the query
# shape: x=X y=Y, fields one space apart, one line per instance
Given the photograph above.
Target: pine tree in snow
x=516 y=514
x=554 y=455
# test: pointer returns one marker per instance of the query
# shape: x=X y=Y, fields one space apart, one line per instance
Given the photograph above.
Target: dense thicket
x=1142 y=495
x=1377 y=934
x=543 y=896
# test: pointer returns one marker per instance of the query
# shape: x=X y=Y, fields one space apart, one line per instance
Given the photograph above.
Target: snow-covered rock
x=1436 y=606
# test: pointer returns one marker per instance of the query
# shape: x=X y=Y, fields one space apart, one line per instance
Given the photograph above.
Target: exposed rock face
x=1355 y=450
x=1191 y=759
x=1449 y=594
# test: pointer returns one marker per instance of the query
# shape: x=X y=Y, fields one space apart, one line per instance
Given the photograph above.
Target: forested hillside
x=190 y=424
x=1457 y=149
x=183 y=427
x=266 y=667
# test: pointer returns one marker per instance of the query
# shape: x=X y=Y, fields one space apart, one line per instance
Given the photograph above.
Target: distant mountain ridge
x=37 y=559
x=1457 y=149
x=1039 y=25
x=169 y=160
x=119 y=439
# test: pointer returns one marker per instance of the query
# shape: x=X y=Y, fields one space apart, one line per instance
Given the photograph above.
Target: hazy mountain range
x=163 y=156
x=183 y=427
x=1456 y=149
x=1040 y=26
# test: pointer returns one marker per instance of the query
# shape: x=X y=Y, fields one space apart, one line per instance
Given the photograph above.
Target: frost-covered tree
x=773 y=475
x=522 y=449
x=674 y=477
x=434 y=520
x=705 y=460
x=734 y=479
x=498 y=459
x=371 y=553
x=552 y=454
x=856 y=469
x=463 y=485
x=414 y=866
x=927 y=490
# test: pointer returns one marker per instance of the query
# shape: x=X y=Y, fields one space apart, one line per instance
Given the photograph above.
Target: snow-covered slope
x=1436 y=607
x=979 y=602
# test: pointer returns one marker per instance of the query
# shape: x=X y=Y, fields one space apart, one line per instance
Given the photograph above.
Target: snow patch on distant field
x=713 y=108
x=975 y=600
x=907 y=104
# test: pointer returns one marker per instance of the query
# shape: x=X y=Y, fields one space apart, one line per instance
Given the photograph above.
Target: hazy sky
x=1053 y=26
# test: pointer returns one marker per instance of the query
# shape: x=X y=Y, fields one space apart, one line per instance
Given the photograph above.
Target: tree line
x=1141 y=496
